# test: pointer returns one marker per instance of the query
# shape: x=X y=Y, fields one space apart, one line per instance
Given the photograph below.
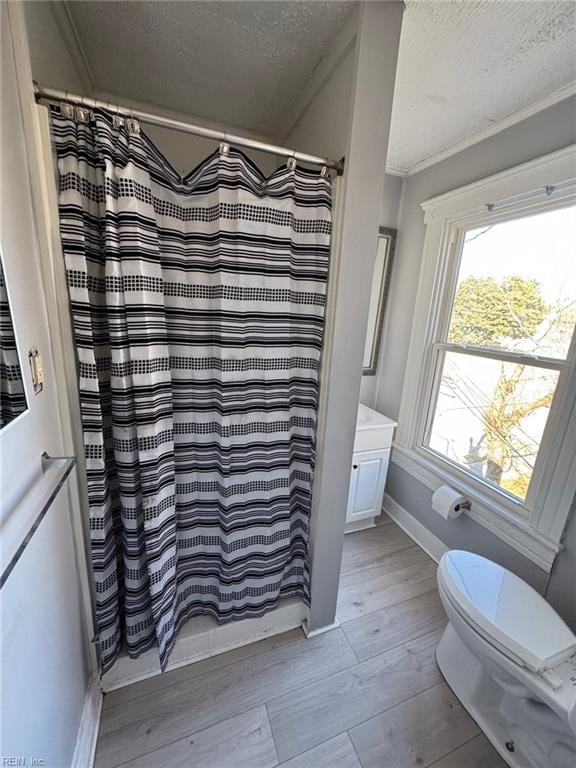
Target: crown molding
x=392 y=170
x=501 y=125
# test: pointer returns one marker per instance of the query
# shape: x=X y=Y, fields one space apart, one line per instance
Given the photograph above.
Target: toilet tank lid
x=507 y=610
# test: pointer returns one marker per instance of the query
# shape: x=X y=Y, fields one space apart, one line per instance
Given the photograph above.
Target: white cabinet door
x=367 y=483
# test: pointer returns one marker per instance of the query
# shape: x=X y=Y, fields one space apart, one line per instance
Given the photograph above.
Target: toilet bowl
x=511 y=661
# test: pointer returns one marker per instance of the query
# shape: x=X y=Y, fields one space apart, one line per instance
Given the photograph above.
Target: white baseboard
x=360 y=525
x=430 y=544
x=89 y=725
x=321 y=630
x=202 y=638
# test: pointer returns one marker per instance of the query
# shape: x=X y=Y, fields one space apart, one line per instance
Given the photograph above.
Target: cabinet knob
x=354 y=466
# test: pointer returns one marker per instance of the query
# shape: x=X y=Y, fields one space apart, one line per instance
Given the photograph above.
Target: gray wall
x=324 y=126
x=329 y=126
x=185 y=152
x=50 y=57
x=389 y=217
x=323 y=130
x=561 y=591
x=540 y=134
x=53 y=65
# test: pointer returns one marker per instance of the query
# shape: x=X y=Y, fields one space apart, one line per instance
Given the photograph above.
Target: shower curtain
x=12 y=395
x=197 y=306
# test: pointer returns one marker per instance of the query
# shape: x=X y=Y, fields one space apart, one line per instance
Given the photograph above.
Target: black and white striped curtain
x=12 y=395
x=198 y=309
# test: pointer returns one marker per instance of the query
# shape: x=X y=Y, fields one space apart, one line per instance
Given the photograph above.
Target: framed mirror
x=378 y=298
x=12 y=394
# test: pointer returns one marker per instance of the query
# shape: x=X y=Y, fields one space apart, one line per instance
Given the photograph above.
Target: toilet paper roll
x=448 y=502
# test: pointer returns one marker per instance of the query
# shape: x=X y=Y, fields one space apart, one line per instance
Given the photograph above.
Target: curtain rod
x=52 y=94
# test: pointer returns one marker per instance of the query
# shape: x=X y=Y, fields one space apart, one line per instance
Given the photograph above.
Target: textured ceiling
x=239 y=63
x=465 y=65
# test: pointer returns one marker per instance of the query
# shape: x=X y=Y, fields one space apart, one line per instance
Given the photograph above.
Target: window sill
x=514 y=530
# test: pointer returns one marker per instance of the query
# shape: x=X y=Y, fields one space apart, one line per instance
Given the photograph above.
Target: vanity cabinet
x=370 y=460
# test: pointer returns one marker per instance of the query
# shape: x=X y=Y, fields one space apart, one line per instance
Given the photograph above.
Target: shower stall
x=197 y=307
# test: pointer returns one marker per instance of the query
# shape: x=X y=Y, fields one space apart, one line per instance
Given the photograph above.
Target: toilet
x=511 y=661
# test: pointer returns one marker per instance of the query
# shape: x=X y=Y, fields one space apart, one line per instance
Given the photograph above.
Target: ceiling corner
x=63 y=18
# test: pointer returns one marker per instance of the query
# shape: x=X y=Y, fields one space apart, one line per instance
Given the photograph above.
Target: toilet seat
x=506 y=611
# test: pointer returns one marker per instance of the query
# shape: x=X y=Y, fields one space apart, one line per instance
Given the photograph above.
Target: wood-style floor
x=365 y=695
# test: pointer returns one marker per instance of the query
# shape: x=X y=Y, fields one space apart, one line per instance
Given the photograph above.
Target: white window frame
x=534 y=527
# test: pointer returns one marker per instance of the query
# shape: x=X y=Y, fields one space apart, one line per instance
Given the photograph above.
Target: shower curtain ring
x=132 y=124
x=66 y=109
x=291 y=162
x=117 y=121
x=86 y=114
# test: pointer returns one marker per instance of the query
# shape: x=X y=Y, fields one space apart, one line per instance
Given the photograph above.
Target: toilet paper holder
x=449 y=503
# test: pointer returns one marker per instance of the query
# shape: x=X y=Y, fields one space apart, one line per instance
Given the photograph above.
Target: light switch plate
x=36 y=369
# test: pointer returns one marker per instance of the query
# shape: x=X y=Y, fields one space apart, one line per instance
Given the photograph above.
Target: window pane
x=516 y=286
x=490 y=416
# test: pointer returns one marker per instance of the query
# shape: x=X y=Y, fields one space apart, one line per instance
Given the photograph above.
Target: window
x=510 y=324
x=489 y=395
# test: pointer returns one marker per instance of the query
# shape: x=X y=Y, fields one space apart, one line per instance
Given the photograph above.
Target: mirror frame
x=389 y=235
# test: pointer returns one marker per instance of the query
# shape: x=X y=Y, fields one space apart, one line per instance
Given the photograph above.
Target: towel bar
x=61 y=467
